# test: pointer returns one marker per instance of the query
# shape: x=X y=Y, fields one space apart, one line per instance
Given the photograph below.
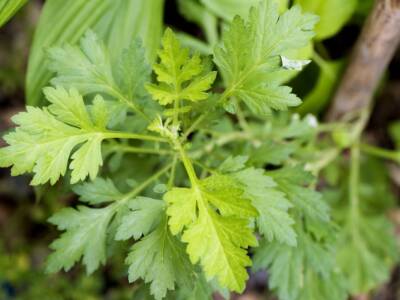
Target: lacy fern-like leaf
x=273 y=220
x=293 y=181
x=88 y=68
x=159 y=257
x=217 y=239
x=299 y=272
x=46 y=138
x=250 y=54
x=180 y=76
x=144 y=214
x=85 y=236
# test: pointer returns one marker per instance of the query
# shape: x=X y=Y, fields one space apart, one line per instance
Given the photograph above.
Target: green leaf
x=118 y=22
x=87 y=68
x=180 y=76
x=334 y=14
x=8 y=8
x=85 y=236
x=57 y=15
x=159 y=258
x=143 y=216
x=227 y=9
x=366 y=253
x=250 y=54
x=133 y=71
x=233 y=164
x=291 y=268
x=291 y=181
x=274 y=220
x=217 y=239
x=45 y=139
x=97 y=191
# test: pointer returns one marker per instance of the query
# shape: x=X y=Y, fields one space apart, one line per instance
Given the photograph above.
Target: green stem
x=380 y=152
x=173 y=170
x=201 y=118
x=120 y=96
x=131 y=149
x=241 y=118
x=134 y=136
x=204 y=167
x=136 y=191
x=354 y=179
x=187 y=163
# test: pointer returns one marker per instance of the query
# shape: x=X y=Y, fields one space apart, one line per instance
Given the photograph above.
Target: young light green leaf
x=250 y=53
x=160 y=258
x=145 y=213
x=85 y=236
x=217 y=239
x=45 y=139
x=180 y=75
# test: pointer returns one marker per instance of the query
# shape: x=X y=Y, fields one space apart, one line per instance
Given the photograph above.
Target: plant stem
x=188 y=165
x=200 y=119
x=380 y=152
x=131 y=105
x=173 y=170
x=145 y=183
x=354 y=179
x=134 y=136
x=131 y=149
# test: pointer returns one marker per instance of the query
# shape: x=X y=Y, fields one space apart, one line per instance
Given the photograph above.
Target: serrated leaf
x=293 y=181
x=45 y=139
x=334 y=14
x=116 y=21
x=57 y=14
x=86 y=68
x=133 y=71
x=217 y=239
x=97 y=191
x=366 y=252
x=180 y=75
x=144 y=215
x=274 y=221
x=250 y=53
x=85 y=236
x=291 y=268
x=233 y=164
x=159 y=258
